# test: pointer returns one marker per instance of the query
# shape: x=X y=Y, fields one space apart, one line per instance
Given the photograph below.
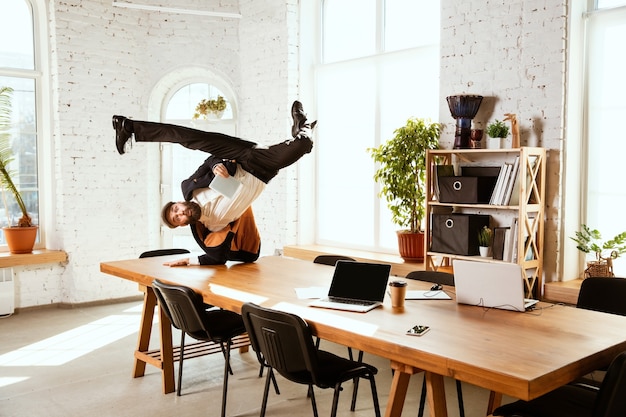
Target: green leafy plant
x=590 y=241
x=497 y=129
x=484 y=236
x=209 y=106
x=402 y=170
x=6 y=157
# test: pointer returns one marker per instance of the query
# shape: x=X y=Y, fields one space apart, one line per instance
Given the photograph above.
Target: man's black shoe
x=122 y=135
x=299 y=118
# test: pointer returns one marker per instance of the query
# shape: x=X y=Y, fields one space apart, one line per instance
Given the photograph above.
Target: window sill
x=37 y=257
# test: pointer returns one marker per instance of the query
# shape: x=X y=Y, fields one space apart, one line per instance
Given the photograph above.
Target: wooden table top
x=523 y=355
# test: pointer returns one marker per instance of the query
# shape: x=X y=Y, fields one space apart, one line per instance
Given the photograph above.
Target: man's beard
x=196 y=211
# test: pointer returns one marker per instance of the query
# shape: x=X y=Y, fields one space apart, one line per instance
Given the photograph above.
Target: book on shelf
x=498 y=191
x=512 y=179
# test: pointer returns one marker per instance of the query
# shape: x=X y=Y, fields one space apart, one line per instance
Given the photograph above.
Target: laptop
x=493 y=285
x=356 y=286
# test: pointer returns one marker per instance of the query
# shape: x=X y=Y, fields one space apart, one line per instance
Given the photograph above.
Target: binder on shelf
x=499 y=235
x=498 y=185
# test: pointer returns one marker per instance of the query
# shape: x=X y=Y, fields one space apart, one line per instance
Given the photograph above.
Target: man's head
x=180 y=214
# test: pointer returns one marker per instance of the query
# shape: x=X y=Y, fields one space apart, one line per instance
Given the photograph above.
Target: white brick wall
x=512 y=53
x=106 y=60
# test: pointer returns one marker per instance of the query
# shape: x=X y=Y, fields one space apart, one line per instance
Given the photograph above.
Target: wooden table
x=523 y=355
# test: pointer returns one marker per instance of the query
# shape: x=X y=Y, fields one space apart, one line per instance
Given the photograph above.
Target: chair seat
x=221 y=324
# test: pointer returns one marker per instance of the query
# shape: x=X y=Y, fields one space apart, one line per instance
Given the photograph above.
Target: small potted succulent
x=211 y=108
x=20 y=238
x=485 y=236
x=590 y=241
x=497 y=130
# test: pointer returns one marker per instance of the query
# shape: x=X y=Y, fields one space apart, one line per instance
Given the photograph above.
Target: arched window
x=20 y=69
x=178 y=95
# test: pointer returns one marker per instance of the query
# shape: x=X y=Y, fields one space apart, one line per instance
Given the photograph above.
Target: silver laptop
x=494 y=285
x=356 y=286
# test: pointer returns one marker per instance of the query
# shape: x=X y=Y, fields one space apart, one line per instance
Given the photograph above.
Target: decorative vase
x=411 y=246
x=20 y=239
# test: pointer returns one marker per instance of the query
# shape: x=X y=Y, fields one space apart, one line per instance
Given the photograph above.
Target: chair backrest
x=331 y=259
x=183 y=307
x=611 y=399
x=603 y=294
x=284 y=340
x=436 y=277
x=163 y=252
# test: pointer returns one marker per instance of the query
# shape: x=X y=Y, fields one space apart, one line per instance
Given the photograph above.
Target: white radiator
x=7 y=294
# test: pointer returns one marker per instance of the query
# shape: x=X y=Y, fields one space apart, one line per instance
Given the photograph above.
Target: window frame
x=40 y=76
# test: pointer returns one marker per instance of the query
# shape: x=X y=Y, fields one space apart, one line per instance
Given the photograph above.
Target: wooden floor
x=557 y=292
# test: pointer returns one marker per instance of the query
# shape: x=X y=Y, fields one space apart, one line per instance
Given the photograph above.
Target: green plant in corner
x=401 y=171
x=590 y=241
x=497 y=129
x=6 y=157
x=484 y=236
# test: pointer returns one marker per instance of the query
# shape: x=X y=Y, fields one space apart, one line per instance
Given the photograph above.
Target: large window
x=378 y=67
x=19 y=69
x=606 y=105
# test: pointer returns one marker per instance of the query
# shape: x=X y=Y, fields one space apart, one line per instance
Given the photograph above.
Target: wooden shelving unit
x=530 y=211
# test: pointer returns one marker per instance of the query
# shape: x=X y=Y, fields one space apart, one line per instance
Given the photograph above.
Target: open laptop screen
x=360 y=280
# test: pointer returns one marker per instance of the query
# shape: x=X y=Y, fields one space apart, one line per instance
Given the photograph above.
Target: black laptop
x=356 y=286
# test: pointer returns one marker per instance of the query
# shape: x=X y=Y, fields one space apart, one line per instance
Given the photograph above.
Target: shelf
x=530 y=212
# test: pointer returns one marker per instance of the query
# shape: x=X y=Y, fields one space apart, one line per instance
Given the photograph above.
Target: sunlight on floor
x=62 y=348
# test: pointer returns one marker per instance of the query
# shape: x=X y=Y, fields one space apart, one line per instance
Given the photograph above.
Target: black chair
x=163 y=252
x=603 y=294
x=331 y=260
x=286 y=343
x=439 y=278
x=188 y=313
x=609 y=400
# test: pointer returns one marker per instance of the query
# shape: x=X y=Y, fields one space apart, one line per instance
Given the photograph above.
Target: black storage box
x=466 y=189
x=457 y=233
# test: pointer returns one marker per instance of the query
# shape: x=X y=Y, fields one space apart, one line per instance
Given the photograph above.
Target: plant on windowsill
x=212 y=108
x=590 y=241
x=402 y=173
x=25 y=230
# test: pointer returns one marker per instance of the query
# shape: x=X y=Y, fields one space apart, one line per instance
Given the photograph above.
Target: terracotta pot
x=411 y=246
x=20 y=239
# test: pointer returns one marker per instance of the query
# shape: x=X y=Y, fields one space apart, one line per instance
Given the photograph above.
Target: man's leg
x=217 y=144
x=265 y=163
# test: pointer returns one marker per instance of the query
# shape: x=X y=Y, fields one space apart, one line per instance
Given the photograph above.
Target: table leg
x=436 y=395
x=145 y=330
x=164 y=359
x=495 y=400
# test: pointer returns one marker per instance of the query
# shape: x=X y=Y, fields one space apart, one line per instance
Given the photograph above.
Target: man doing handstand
x=223 y=227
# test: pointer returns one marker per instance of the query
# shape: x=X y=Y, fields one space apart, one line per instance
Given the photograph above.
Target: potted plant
x=485 y=236
x=590 y=241
x=497 y=130
x=401 y=173
x=20 y=238
x=210 y=108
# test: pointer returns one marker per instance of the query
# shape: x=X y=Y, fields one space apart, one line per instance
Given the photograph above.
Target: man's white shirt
x=218 y=211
